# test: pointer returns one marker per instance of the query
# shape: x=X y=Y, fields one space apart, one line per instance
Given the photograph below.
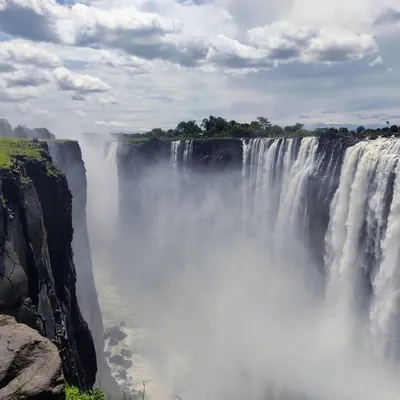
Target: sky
x=134 y=65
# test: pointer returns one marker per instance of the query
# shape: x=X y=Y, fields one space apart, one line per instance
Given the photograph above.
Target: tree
x=343 y=130
x=264 y=123
x=360 y=129
x=394 y=128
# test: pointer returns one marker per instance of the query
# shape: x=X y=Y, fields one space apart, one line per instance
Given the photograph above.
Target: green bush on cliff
x=73 y=393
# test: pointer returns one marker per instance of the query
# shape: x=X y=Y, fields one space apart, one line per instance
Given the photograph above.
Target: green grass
x=12 y=149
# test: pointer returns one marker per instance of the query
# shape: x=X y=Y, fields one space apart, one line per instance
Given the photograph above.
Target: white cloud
x=82 y=83
x=28 y=77
x=17 y=94
x=377 y=61
x=27 y=53
x=175 y=60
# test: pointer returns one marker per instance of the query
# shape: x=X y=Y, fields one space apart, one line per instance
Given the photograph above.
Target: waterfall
x=360 y=245
x=275 y=173
x=181 y=154
x=188 y=153
x=174 y=154
x=112 y=198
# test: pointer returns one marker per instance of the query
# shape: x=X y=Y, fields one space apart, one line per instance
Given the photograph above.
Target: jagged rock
x=115 y=334
x=122 y=375
x=126 y=353
x=67 y=155
x=30 y=365
x=120 y=360
x=37 y=273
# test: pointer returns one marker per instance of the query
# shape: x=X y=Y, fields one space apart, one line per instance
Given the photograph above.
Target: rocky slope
x=67 y=156
x=37 y=272
x=30 y=366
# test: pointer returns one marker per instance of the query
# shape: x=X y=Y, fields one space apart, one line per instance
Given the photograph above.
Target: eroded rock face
x=37 y=273
x=67 y=156
x=30 y=365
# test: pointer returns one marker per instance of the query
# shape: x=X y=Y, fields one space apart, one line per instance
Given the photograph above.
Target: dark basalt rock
x=37 y=273
x=115 y=333
x=126 y=353
x=120 y=360
x=67 y=156
x=30 y=365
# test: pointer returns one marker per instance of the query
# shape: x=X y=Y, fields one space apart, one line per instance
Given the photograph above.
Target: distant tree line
x=218 y=127
x=22 y=131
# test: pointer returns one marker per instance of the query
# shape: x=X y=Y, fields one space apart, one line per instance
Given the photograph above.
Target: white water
x=357 y=209
x=187 y=153
x=229 y=313
x=175 y=145
x=275 y=176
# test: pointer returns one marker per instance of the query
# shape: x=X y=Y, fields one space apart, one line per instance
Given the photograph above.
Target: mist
x=213 y=279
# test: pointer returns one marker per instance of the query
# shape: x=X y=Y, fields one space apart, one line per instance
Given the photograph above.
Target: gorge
x=260 y=266
x=235 y=268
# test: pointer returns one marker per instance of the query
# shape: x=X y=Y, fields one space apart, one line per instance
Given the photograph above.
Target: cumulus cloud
x=81 y=83
x=225 y=57
x=283 y=42
x=28 y=77
x=23 y=52
x=150 y=36
x=16 y=94
x=30 y=19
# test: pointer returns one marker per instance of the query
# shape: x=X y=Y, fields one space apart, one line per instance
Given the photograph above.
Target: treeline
x=22 y=131
x=218 y=127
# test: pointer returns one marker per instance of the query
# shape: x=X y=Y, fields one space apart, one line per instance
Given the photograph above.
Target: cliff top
x=12 y=149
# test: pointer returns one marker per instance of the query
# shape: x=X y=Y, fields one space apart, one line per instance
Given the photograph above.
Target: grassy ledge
x=12 y=149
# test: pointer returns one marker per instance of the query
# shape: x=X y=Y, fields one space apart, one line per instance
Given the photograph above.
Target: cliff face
x=37 y=273
x=208 y=155
x=67 y=156
x=226 y=155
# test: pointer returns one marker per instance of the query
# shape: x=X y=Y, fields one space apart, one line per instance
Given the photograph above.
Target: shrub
x=73 y=393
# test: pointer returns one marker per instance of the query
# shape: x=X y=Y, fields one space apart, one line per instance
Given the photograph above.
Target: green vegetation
x=12 y=149
x=73 y=393
x=220 y=128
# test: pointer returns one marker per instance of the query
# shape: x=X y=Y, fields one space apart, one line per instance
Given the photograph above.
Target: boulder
x=30 y=365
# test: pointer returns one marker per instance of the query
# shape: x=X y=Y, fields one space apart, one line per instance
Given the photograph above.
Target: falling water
x=276 y=173
x=174 y=154
x=200 y=254
x=187 y=153
x=384 y=315
x=113 y=197
x=360 y=245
